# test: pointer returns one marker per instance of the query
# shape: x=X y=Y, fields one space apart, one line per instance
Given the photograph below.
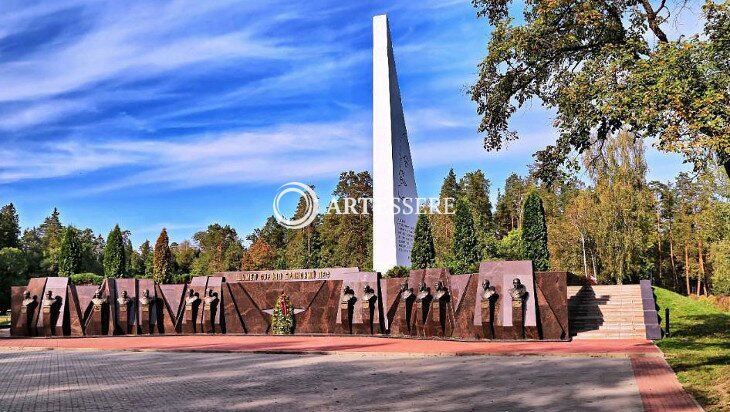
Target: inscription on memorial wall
x=281 y=275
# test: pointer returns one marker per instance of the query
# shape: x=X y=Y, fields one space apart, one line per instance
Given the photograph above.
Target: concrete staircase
x=606 y=312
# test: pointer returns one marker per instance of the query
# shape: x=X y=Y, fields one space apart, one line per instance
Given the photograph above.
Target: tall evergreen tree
x=475 y=189
x=220 y=250
x=51 y=232
x=442 y=224
x=465 y=248
x=423 y=254
x=69 y=259
x=9 y=227
x=114 y=260
x=162 y=259
x=534 y=232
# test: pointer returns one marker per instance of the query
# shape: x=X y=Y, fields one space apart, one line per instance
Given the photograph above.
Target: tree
x=13 y=267
x=9 y=227
x=606 y=66
x=51 y=233
x=623 y=212
x=475 y=189
x=347 y=239
x=423 y=253
x=220 y=250
x=303 y=245
x=184 y=255
x=534 y=232
x=69 y=259
x=465 y=249
x=162 y=259
x=258 y=257
x=509 y=205
x=442 y=224
x=114 y=259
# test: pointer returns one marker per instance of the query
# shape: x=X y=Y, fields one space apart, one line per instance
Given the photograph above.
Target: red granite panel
x=148 y=320
x=232 y=321
x=75 y=325
x=51 y=323
x=35 y=287
x=254 y=319
x=168 y=303
x=125 y=323
x=553 y=286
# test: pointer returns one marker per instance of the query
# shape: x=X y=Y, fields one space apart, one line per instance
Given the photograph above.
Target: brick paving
x=659 y=387
x=55 y=369
x=44 y=380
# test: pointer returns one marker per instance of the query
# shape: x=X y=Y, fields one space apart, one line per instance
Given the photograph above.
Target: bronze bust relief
x=518 y=292
x=210 y=298
x=348 y=295
x=191 y=299
x=405 y=291
x=441 y=291
x=27 y=301
x=423 y=291
x=98 y=301
x=488 y=292
x=123 y=301
x=145 y=300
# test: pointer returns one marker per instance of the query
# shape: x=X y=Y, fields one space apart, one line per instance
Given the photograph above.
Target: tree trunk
x=702 y=274
x=671 y=257
x=659 y=244
x=686 y=267
x=585 y=261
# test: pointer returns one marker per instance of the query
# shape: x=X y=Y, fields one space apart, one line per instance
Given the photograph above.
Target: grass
x=699 y=347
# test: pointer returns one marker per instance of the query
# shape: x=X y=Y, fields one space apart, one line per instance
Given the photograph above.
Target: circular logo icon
x=311 y=205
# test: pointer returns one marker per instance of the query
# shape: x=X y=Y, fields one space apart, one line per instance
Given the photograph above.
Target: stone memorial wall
x=505 y=300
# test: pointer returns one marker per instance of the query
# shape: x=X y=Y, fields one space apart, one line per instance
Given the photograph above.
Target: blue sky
x=185 y=113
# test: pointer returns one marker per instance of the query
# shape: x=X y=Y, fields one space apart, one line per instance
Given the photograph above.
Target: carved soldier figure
x=517 y=292
x=123 y=301
x=27 y=301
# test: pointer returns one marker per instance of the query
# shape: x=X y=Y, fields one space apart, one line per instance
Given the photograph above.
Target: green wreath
x=283 y=317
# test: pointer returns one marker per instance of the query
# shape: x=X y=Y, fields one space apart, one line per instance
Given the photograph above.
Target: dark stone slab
x=147 y=311
x=191 y=316
x=252 y=316
x=27 y=325
x=552 y=299
x=170 y=307
x=366 y=316
x=210 y=313
x=51 y=317
x=126 y=316
x=651 y=318
x=75 y=315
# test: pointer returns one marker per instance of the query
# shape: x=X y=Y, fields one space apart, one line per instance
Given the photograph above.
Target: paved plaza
x=90 y=380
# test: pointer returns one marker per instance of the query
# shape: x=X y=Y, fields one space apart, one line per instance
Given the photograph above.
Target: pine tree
x=51 y=232
x=69 y=258
x=162 y=259
x=9 y=227
x=475 y=188
x=465 y=248
x=114 y=260
x=442 y=224
x=534 y=232
x=423 y=254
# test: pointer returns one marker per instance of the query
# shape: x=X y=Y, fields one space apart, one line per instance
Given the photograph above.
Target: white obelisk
x=393 y=179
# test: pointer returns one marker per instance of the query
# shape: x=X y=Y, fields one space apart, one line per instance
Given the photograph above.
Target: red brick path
x=660 y=390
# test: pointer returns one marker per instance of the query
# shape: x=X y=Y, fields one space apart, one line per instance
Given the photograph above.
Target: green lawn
x=699 y=348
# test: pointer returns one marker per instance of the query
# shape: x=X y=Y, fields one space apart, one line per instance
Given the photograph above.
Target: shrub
x=423 y=254
x=86 y=279
x=397 y=272
x=534 y=232
x=182 y=278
